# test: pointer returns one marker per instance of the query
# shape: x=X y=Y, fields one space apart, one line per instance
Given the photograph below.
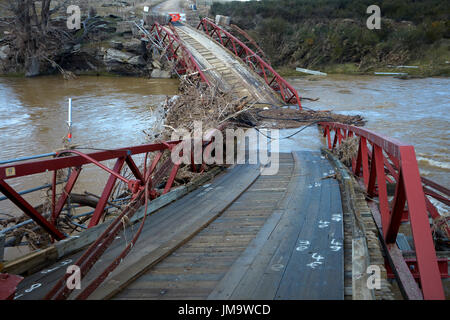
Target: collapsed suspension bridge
x=243 y=235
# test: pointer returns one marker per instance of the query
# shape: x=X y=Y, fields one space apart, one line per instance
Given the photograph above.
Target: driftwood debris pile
x=281 y=118
x=209 y=105
x=347 y=150
x=196 y=104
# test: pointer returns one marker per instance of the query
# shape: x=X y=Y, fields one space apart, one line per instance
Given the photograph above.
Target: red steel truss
x=237 y=47
x=381 y=160
x=142 y=193
x=95 y=251
x=76 y=162
x=143 y=189
x=412 y=264
x=176 y=51
x=8 y=285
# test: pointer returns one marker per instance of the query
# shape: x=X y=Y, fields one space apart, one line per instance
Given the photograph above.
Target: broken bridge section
x=216 y=63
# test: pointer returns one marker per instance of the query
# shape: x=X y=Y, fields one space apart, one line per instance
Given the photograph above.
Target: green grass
x=13 y=75
x=344 y=68
x=288 y=71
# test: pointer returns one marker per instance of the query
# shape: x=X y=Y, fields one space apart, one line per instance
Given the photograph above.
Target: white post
x=70 y=112
x=69 y=122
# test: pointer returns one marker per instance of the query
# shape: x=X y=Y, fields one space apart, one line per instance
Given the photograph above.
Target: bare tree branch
x=58 y=6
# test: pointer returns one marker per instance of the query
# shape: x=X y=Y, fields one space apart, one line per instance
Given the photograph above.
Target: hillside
x=332 y=34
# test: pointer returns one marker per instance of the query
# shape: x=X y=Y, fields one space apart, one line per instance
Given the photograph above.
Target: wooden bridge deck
x=224 y=69
x=243 y=236
x=281 y=239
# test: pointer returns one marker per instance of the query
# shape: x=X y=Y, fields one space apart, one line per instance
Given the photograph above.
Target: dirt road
x=169 y=6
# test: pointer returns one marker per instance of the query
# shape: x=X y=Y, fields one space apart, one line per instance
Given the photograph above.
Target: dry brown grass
x=292 y=118
x=206 y=104
x=347 y=150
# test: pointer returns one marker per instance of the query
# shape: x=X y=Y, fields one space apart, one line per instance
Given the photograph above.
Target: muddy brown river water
x=108 y=112
x=111 y=112
x=413 y=111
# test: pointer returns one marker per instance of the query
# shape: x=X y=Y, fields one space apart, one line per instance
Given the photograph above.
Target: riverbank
x=333 y=37
x=415 y=70
x=434 y=65
x=108 y=43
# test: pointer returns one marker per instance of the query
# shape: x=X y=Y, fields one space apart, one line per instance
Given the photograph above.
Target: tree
x=34 y=36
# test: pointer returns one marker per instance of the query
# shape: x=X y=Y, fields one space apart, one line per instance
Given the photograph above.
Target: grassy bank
x=332 y=36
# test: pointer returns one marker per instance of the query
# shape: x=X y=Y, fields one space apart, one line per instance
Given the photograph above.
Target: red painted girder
x=23 y=205
x=412 y=264
x=188 y=59
x=65 y=194
x=436 y=186
x=249 y=52
x=100 y=208
x=423 y=241
x=8 y=285
x=390 y=145
x=34 y=167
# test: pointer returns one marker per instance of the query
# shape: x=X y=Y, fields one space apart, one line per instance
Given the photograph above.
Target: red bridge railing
x=143 y=188
x=176 y=51
x=272 y=78
x=381 y=161
x=76 y=162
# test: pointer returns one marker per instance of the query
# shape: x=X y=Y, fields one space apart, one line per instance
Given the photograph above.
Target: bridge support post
x=106 y=193
x=430 y=278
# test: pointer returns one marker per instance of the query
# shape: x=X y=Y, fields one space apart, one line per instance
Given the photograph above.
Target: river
x=413 y=111
x=110 y=112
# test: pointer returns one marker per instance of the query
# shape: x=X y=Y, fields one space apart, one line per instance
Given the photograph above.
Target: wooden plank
x=228 y=283
x=162 y=294
x=31 y=261
x=261 y=195
x=359 y=268
x=199 y=260
x=278 y=271
x=359 y=250
x=35 y=286
x=169 y=285
x=45 y=279
x=409 y=288
x=156 y=233
x=180 y=268
x=322 y=278
x=335 y=275
x=167 y=223
x=407 y=284
x=133 y=268
x=248 y=283
x=213 y=250
x=154 y=276
x=273 y=272
x=160 y=218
